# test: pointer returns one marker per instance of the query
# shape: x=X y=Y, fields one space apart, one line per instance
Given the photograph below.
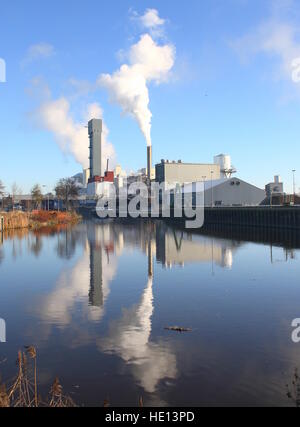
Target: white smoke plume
x=128 y=87
x=72 y=137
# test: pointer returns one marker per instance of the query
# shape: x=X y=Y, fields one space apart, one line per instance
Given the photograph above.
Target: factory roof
x=170 y=162
x=214 y=183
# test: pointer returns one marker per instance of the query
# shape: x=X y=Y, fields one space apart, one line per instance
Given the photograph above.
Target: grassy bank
x=38 y=219
x=15 y=220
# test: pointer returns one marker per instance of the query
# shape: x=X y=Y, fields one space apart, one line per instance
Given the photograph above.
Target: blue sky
x=230 y=90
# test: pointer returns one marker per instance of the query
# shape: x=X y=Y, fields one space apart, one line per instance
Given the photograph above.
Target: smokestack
x=149 y=162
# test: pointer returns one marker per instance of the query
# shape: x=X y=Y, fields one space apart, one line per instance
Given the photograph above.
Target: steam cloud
x=72 y=137
x=148 y=62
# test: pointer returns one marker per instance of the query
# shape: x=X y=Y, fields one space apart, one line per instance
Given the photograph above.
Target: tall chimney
x=149 y=162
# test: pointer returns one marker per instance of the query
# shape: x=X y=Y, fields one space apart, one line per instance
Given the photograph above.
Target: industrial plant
x=220 y=186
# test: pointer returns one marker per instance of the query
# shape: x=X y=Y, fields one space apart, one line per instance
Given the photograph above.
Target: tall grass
x=23 y=391
x=15 y=220
x=37 y=219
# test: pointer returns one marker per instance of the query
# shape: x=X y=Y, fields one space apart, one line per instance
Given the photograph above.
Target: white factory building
x=220 y=188
x=229 y=192
x=173 y=173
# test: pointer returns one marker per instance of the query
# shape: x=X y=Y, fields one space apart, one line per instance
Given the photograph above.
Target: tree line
x=65 y=190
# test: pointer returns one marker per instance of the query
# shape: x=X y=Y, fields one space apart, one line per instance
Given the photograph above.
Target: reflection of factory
x=220 y=188
x=175 y=247
x=96 y=282
x=101 y=247
x=168 y=245
x=104 y=242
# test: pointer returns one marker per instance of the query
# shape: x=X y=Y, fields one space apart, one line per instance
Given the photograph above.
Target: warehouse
x=230 y=192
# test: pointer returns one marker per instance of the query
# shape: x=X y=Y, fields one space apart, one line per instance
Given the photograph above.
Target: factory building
x=275 y=188
x=229 y=192
x=178 y=173
x=101 y=186
x=95 y=136
x=98 y=185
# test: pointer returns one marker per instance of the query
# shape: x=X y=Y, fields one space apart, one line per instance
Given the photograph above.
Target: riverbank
x=37 y=219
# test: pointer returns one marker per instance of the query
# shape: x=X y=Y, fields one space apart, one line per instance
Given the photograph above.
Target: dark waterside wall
x=287 y=238
x=265 y=216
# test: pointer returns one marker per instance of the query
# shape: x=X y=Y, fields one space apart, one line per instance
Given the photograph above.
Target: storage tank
x=224 y=161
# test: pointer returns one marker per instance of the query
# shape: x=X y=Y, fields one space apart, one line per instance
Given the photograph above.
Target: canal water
x=95 y=301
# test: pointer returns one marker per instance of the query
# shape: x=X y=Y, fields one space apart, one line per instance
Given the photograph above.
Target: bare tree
x=37 y=196
x=15 y=190
x=67 y=190
x=2 y=188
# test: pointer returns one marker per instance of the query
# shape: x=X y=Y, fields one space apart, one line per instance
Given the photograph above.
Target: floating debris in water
x=177 y=329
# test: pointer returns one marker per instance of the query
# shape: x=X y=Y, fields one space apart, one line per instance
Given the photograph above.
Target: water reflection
x=129 y=338
x=36 y=245
x=175 y=247
x=87 y=281
x=85 y=303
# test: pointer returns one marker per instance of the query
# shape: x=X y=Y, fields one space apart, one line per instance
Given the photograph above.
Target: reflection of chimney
x=150 y=260
x=149 y=162
x=96 y=279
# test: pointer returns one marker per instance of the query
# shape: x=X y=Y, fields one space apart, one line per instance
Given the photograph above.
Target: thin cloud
x=38 y=51
x=278 y=37
x=150 y=21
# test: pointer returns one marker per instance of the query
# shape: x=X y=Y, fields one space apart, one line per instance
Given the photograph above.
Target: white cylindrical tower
x=224 y=161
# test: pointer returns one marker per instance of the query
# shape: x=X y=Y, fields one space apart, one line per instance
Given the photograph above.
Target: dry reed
x=15 y=220
x=37 y=219
x=24 y=389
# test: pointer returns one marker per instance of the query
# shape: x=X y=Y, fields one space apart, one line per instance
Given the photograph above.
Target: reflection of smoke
x=73 y=286
x=129 y=338
x=227 y=258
